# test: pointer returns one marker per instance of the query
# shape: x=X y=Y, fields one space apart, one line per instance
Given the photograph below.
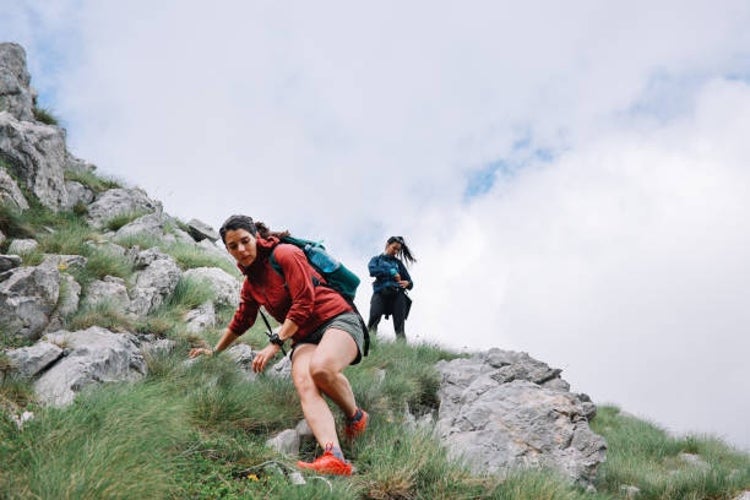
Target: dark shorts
x=348 y=322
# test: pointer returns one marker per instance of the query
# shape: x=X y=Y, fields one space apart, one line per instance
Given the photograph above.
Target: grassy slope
x=198 y=431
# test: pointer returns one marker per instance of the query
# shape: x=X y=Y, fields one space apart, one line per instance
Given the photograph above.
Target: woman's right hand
x=197 y=351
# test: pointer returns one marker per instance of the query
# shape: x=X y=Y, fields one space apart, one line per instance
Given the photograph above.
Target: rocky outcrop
x=155 y=279
x=28 y=296
x=92 y=356
x=119 y=201
x=501 y=410
x=16 y=95
x=36 y=155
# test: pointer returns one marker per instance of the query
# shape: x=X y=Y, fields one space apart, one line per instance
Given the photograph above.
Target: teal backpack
x=336 y=274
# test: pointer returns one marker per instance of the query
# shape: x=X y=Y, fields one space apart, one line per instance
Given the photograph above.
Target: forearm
x=226 y=340
x=288 y=329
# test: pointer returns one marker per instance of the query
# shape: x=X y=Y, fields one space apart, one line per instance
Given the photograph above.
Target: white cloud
x=621 y=259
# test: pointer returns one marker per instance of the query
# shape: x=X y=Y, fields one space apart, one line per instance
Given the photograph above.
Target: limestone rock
x=225 y=286
x=93 y=356
x=111 y=289
x=201 y=231
x=36 y=155
x=30 y=361
x=10 y=193
x=498 y=413
x=154 y=282
x=119 y=201
x=16 y=94
x=28 y=296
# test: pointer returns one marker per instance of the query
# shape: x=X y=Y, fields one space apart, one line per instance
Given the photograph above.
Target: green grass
x=120 y=220
x=94 y=182
x=45 y=116
x=642 y=454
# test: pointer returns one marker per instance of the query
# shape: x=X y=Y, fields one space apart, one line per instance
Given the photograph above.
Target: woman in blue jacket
x=390 y=285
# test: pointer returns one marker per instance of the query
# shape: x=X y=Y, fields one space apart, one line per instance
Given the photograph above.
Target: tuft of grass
x=92 y=181
x=104 y=314
x=45 y=116
x=69 y=239
x=120 y=220
x=103 y=263
x=13 y=224
x=189 y=256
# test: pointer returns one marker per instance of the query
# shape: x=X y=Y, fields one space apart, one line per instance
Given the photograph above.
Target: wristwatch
x=275 y=339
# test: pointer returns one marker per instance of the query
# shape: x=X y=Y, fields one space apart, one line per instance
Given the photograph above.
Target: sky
x=572 y=177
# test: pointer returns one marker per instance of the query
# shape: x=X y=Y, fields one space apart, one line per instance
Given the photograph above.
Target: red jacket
x=292 y=296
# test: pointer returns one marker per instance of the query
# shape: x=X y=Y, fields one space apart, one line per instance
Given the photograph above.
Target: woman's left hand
x=264 y=356
x=403 y=283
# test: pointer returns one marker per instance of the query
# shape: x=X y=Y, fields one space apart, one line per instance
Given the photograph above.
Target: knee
x=321 y=374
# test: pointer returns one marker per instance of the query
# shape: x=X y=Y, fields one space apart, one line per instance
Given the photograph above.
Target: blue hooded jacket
x=383 y=268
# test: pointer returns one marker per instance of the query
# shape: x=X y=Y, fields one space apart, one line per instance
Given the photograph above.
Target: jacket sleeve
x=405 y=275
x=246 y=313
x=382 y=269
x=299 y=280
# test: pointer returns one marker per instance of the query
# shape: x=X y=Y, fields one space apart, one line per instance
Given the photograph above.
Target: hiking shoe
x=355 y=429
x=328 y=463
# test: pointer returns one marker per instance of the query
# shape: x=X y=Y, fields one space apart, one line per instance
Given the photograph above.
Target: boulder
x=22 y=246
x=93 y=356
x=150 y=225
x=28 y=296
x=197 y=320
x=28 y=362
x=119 y=201
x=78 y=194
x=501 y=411
x=154 y=282
x=225 y=286
x=111 y=289
x=201 y=231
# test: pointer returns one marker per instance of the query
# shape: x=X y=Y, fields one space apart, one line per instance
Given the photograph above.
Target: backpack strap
x=316 y=282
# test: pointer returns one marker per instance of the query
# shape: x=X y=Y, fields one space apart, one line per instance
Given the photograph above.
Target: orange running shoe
x=328 y=463
x=356 y=429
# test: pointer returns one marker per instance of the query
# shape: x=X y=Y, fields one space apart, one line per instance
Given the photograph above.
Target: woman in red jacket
x=326 y=333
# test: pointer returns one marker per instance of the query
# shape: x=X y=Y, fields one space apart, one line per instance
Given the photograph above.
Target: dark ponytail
x=404 y=254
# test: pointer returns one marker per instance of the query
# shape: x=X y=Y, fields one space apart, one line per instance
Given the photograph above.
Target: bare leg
x=316 y=370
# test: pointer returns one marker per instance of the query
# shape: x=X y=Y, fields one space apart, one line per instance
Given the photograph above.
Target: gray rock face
x=28 y=296
x=36 y=155
x=22 y=246
x=93 y=356
x=31 y=361
x=150 y=224
x=201 y=231
x=197 y=320
x=225 y=286
x=501 y=411
x=114 y=202
x=10 y=193
x=77 y=194
x=16 y=95
x=155 y=281
x=111 y=289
